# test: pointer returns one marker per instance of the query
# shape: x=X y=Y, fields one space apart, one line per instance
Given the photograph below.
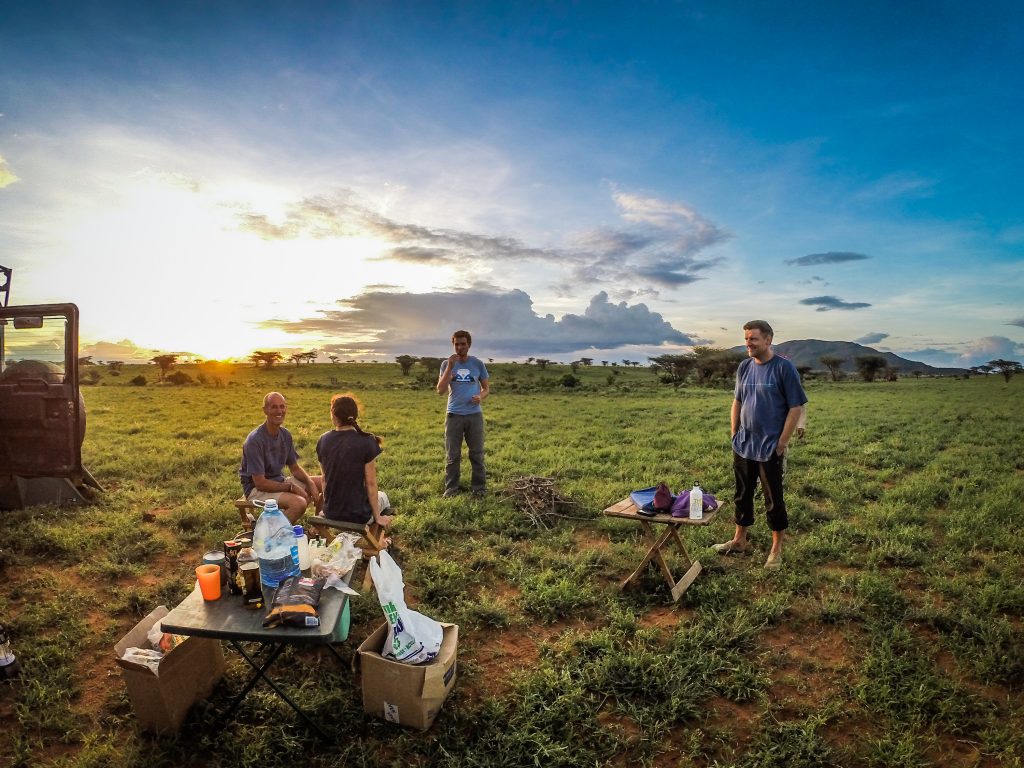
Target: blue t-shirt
x=267 y=455
x=766 y=393
x=465 y=384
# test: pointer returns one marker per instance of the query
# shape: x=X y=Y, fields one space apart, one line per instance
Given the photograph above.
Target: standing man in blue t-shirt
x=464 y=379
x=768 y=402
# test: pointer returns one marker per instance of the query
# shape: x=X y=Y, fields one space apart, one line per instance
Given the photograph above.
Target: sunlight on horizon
x=209 y=286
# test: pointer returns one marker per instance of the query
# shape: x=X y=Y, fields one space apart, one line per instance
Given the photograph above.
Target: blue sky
x=577 y=179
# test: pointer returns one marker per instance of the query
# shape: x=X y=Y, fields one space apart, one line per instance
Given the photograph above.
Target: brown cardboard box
x=187 y=674
x=404 y=693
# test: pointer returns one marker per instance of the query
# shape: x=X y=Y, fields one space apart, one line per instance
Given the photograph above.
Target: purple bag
x=681 y=506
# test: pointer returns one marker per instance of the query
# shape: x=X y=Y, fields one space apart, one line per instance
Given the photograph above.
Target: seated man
x=265 y=453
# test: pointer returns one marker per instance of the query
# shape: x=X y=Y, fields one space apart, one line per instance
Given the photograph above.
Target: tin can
x=216 y=557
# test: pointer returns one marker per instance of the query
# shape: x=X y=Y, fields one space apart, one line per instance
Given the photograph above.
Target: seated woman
x=348 y=458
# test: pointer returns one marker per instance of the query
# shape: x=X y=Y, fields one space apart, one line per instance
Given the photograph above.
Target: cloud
x=988 y=348
x=660 y=244
x=124 y=350
x=826 y=303
x=969 y=353
x=831 y=257
x=7 y=176
x=872 y=338
x=502 y=323
x=1019 y=322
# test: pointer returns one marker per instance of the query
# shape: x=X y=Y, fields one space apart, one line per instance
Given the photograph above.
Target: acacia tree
x=333 y=359
x=711 y=363
x=407 y=362
x=542 y=363
x=869 y=366
x=834 y=365
x=267 y=358
x=164 y=363
x=1006 y=368
x=432 y=364
x=676 y=367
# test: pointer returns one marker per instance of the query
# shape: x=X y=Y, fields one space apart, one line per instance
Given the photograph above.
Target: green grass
x=891 y=637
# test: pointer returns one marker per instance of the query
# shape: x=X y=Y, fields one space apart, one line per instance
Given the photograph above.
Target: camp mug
x=216 y=557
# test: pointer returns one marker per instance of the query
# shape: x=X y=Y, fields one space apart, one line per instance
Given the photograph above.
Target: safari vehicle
x=42 y=412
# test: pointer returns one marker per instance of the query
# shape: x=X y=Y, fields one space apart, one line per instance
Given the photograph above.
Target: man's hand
x=781 y=448
x=384 y=520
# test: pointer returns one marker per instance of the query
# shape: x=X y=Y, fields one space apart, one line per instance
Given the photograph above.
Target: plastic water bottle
x=696 y=503
x=276 y=547
x=303 y=543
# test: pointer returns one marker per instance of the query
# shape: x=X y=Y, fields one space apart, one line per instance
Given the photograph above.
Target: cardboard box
x=407 y=694
x=187 y=674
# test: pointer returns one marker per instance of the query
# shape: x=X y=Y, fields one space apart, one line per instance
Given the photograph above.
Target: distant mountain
x=810 y=351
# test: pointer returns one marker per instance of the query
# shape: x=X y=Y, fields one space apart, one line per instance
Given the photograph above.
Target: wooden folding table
x=627 y=510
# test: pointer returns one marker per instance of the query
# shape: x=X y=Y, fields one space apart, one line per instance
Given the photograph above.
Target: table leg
x=261 y=673
x=652 y=553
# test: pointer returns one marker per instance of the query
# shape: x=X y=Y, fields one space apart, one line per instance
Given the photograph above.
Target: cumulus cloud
x=988 y=348
x=7 y=176
x=831 y=257
x=872 y=338
x=970 y=353
x=502 y=322
x=124 y=350
x=827 y=303
x=660 y=243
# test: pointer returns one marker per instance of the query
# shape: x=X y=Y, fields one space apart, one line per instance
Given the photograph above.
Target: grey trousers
x=470 y=428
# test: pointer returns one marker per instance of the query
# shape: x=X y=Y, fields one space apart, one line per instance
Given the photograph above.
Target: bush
x=138 y=381
x=179 y=378
x=569 y=380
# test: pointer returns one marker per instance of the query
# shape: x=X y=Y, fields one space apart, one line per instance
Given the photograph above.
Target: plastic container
x=275 y=545
x=9 y=665
x=696 y=503
x=303 y=543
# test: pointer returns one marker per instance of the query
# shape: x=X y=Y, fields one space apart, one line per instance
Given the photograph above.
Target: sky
x=564 y=180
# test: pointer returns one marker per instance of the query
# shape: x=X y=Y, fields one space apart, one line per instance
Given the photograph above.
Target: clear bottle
x=275 y=545
x=303 y=543
x=696 y=503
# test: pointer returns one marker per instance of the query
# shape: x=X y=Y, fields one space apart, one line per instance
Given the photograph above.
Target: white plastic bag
x=412 y=637
x=336 y=561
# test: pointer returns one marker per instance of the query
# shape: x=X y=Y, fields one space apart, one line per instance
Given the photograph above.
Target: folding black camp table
x=228 y=619
x=627 y=510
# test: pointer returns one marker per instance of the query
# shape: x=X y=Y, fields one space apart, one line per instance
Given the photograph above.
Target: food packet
x=296 y=602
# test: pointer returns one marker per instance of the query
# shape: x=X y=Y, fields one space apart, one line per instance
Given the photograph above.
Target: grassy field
x=892 y=636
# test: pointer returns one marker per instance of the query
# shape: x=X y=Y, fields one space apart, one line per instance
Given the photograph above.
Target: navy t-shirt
x=267 y=455
x=344 y=454
x=766 y=392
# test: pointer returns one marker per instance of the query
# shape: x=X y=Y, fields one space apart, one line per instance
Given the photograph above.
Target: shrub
x=179 y=378
x=139 y=381
x=569 y=380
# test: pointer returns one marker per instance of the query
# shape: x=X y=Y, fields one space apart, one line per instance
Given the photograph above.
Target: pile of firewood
x=539 y=499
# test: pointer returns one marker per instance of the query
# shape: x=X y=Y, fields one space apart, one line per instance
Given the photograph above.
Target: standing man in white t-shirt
x=464 y=379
